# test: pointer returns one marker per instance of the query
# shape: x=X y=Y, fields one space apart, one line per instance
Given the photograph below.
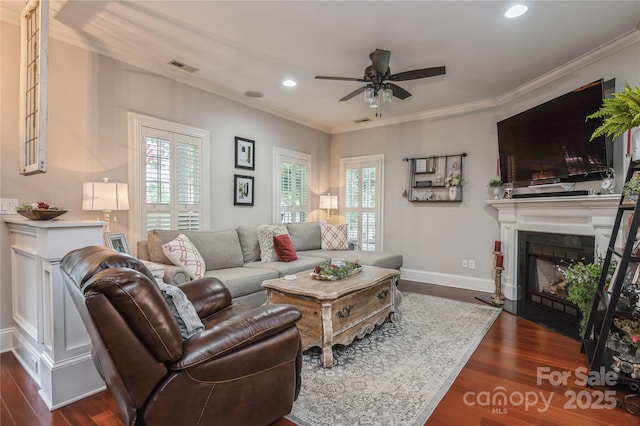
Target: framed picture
x=242 y=190
x=245 y=153
x=117 y=242
x=421 y=165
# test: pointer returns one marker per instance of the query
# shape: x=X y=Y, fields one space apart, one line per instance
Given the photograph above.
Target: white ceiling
x=245 y=46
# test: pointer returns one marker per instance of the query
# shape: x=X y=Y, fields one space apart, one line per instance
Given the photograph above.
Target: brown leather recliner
x=243 y=369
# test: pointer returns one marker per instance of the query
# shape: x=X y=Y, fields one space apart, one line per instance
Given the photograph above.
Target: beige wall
x=89 y=98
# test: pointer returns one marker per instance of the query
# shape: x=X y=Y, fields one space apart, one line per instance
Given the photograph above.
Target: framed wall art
x=117 y=242
x=245 y=153
x=242 y=190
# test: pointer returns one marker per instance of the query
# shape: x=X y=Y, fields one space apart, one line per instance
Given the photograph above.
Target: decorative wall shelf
x=427 y=178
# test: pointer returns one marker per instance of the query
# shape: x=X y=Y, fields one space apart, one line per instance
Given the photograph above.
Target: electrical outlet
x=465 y=263
x=8 y=205
x=472 y=264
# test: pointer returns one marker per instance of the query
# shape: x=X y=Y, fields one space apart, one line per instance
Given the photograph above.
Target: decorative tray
x=41 y=214
x=322 y=277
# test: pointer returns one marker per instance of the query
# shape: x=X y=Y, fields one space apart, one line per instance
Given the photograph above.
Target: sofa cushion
x=181 y=252
x=219 y=249
x=284 y=248
x=241 y=281
x=248 y=236
x=372 y=258
x=182 y=310
x=333 y=237
x=265 y=239
x=305 y=236
x=303 y=263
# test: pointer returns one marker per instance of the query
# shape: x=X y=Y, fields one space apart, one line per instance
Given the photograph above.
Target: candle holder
x=497 y=297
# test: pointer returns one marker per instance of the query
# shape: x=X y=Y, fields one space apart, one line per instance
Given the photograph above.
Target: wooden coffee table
x=336 y=312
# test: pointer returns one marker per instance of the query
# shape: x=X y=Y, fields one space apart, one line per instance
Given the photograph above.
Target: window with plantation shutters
x=362 y=195
x=291 y=198
x=170 y=175
x=34 y=46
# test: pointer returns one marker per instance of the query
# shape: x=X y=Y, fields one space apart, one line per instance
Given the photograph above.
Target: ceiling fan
x=378 y=79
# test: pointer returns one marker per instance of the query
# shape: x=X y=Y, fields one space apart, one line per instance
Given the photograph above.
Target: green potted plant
x=496 y=187
x=582 y=283
x=621 y=113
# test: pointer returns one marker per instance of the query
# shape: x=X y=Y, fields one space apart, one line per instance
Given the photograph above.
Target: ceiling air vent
x=182 y=66
x=361 y=120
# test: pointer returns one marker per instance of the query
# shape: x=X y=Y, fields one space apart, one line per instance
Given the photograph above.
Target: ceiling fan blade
x=415 y=74
x=399 y=92
x=380 y=61
x=322 y=77
x=354 y=93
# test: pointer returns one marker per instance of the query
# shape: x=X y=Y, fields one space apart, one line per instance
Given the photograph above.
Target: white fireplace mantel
x=592 y=215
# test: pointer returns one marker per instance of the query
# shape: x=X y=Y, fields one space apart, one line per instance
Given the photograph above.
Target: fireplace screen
x=543 y=294
x=548 y=286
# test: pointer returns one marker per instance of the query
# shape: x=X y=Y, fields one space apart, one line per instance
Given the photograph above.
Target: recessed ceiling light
x=289 y=83
x=515 y=11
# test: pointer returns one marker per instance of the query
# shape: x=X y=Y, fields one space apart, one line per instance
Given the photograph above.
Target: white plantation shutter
x=172 y=180
x=292 y=183
x=362 y=181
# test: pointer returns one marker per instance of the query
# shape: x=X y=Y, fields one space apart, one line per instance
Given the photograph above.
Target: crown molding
x=574 y=65
x=590 y=57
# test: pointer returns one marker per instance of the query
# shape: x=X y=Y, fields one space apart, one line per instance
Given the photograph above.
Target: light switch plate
x=8 y=205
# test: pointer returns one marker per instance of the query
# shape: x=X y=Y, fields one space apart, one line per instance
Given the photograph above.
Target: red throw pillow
x=284 y=247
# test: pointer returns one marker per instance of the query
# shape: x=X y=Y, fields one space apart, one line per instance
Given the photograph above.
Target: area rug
x=398 y=374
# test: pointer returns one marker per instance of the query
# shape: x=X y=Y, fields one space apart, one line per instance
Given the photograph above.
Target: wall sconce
x=329 y=202
x=105 y=196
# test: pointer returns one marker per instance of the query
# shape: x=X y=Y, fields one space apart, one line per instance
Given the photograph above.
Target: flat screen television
x=550 y=142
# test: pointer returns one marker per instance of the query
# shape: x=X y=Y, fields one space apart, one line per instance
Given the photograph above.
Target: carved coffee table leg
x=327 y=336
x=396 y=315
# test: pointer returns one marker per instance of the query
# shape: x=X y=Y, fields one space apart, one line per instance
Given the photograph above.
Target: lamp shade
x=329 y=201
x=105 y=196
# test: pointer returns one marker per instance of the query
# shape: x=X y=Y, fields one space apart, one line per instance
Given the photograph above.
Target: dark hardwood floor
x=506 y=361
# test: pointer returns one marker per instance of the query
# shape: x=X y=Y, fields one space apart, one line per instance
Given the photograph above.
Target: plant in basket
x=39 y=211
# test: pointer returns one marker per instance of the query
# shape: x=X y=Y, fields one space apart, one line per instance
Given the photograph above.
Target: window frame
x=137 y=149
x=33 y=145
x=279 y=154
x=378 y=160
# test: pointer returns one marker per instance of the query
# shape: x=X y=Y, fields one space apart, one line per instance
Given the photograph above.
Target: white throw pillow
x=265 y=240
x=182 y=252
x=333 y=237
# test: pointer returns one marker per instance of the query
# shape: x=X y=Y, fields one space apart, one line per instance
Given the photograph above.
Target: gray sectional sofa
x=233 y=256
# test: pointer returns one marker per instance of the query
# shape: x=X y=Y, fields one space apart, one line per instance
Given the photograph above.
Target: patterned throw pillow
x=265 y=239
x=333 y=237
x=182 y=252
x=284 y=248
x=182 y=310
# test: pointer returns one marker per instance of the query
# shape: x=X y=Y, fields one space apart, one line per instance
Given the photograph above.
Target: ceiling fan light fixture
x=387 y=94
x=375 y=101
x=368 y=94
x=515 y=11
x=289 y=83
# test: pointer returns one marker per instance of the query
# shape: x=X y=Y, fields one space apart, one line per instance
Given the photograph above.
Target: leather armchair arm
x=208 y=295
x=236 y=333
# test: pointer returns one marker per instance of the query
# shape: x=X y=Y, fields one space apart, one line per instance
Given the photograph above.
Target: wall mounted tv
x=550 y=142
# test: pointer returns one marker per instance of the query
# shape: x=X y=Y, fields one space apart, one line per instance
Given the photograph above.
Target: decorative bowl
x=41 y=214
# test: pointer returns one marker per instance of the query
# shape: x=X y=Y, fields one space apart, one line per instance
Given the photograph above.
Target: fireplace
x=543 y=295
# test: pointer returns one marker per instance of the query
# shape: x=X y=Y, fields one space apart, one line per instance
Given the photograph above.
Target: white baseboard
x=6 y=339
x=449 y=280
